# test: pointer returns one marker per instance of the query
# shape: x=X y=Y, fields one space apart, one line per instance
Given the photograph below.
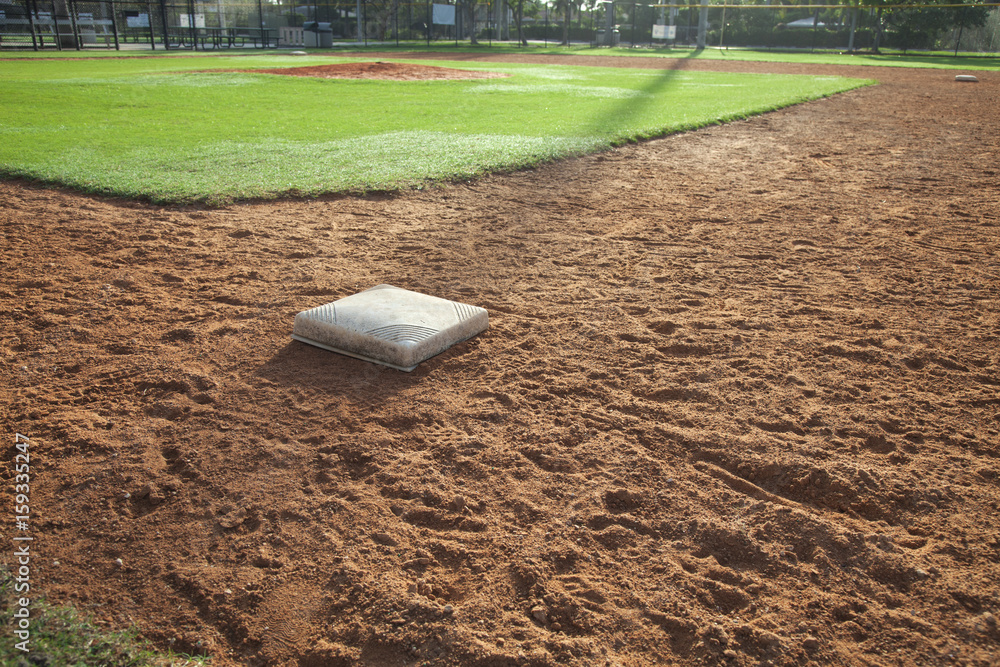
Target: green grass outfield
x=175 y=129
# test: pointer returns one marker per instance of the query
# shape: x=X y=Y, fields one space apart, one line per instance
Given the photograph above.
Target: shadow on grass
x=620 y=114
x=938 y=61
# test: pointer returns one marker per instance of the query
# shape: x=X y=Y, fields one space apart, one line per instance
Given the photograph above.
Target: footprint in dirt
x=664 y=327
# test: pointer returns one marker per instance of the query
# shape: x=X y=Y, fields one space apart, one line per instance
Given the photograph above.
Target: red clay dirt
x=381 y=70
x=738 y=403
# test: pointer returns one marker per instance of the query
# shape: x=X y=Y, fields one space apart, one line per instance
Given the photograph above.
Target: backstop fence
x=216 y=24
x=222 y=24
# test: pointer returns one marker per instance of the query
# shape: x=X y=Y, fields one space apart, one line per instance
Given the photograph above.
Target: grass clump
x=60 y=636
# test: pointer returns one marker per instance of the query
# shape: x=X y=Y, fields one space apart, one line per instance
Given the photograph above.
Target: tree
x=907 y=19
x=519 y=19
x=566 y=6
x=470 y=13
x=883 y=17
x=967 y=17
x=918 y=27
x=381 y=13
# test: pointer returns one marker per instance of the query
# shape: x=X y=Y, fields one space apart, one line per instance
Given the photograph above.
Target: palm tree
x=567 y=7
x=470 y=13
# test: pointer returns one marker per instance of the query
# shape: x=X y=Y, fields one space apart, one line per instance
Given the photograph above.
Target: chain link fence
x=217 y=24
x=111 y=24
x=222 y=24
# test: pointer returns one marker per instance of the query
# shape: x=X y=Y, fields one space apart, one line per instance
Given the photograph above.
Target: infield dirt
x=738 y=403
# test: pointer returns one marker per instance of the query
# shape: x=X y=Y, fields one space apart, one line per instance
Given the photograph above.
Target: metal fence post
x=149 y=19
x=71 y=6
x=55 y=26
x=163 y=18
x=260 y=20
x=31 y=22
x=114 y=25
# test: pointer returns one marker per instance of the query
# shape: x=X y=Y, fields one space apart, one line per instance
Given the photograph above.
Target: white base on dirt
x=966 y=77
x=390 y=326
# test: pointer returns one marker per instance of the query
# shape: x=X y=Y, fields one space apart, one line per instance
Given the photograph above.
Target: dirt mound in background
x=737 y=404
x=381 y=70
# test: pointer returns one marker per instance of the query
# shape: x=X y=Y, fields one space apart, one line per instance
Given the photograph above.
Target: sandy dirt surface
x=738 y=404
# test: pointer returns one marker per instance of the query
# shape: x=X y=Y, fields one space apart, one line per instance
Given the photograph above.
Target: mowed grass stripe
x=169 y=131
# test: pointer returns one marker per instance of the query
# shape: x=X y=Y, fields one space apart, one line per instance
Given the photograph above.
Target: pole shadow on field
x=632 y=107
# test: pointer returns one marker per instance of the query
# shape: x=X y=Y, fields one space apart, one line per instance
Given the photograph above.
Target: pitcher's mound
x=382 y=70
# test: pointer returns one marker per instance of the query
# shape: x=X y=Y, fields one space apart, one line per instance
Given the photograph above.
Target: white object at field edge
x=966 y=77
x=390 y=326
